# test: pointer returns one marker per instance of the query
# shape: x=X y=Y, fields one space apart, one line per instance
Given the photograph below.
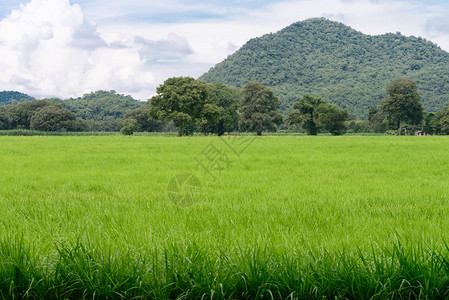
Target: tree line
x=216 y=108
x=187 y=105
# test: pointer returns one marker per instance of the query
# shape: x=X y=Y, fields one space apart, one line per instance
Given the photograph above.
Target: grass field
x=269 y=217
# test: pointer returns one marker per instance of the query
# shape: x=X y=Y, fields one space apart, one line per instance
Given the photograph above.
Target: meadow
x=272 y=217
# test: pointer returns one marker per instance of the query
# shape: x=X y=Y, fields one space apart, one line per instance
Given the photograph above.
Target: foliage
x=403 y=103
x=181 y=100
x=144 y=121
x=209 y=116
x=54 y=118
x=314 y=115
x=258 y=109
x=344 y=66
x=226 y=99
x=377 y=120
x=128 y=126
x=437 y=123
x=103 y=109
x=5 y=119
x=331 y=118
x=23 y=112
x=304 y=113
x=12 y=97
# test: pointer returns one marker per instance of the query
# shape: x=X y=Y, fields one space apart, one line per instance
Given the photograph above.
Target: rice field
x=273 y=217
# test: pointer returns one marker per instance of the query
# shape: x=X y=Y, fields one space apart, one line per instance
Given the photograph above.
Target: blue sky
x=64 y=48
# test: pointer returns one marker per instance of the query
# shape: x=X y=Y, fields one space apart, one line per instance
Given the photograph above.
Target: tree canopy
x=258 y=109
x=54 y=117
x=181 y=100
x=315 y=114
x=403 y=103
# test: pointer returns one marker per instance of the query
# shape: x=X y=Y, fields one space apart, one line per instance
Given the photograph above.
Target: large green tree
x=314 y=114
x=179 y=99
x=23 y=112
x=331 y=118
x=144 y=121
x=303 y=113
x=54 y=118
x=226 y=98
x=258 y=109
x=403 y=103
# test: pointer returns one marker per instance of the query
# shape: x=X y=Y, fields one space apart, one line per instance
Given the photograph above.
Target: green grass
x=288 y=218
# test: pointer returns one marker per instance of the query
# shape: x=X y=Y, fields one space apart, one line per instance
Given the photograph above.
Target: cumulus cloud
x=172 y=47
x=48 y=48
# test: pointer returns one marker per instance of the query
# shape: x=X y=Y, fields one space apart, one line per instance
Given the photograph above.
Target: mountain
x=344 y=66
x=8 y=97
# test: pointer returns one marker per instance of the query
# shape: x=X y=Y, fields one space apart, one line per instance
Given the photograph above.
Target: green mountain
x=343 y=66
x=8 y=97
x=104 y=108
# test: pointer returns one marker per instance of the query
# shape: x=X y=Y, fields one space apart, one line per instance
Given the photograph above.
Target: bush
x=128 y=126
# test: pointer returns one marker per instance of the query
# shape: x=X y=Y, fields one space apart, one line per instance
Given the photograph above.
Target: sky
x=66 y=48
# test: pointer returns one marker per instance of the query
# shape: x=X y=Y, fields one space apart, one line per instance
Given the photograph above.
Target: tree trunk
x=400 y=127
x=413 y=130
x=205 y=130
x=259 y=132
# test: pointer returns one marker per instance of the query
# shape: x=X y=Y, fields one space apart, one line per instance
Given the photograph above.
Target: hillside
x=343 y=66
x=8 y=97
x=106 y=108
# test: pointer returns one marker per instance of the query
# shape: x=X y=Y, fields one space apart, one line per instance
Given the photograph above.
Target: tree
x=209 y=116
x=304 y=113
x=180 y=99
x=5 y=119
x=403 y=103
x=53 y=118
x=258 y=109
x=23 y=112
x=128 y=126
x=331 y=118
x=144 y=121
x=226 y=98
x=314 y=114
x=376 y=119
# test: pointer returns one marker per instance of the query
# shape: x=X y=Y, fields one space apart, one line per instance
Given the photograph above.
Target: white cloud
x=48 y=48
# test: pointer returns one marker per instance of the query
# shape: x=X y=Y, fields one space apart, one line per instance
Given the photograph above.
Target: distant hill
x=106 y=108
x=343 y=66
x=8 y=97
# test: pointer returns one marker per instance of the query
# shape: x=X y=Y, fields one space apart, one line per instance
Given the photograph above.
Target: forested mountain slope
x=8 y=97
x=343 y=66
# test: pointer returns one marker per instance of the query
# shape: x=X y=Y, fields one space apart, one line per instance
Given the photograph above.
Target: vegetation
x=143 y=119
x=54 y=118
x=128 y=126
x=332 y=217
x=314 y=114
x=227 y=99
x=103 y=110
x=403 y=103
x=343 y=66
x=99 y=111
x=11 y=97
x=181 y=100
x=259 y=109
